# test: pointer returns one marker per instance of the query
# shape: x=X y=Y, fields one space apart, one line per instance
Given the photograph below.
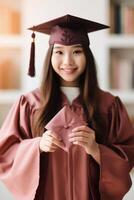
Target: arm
x=117 y=155
x=115 y=158
x=19 y=153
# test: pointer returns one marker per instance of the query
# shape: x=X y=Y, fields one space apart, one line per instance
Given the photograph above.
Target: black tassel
x=31 y=70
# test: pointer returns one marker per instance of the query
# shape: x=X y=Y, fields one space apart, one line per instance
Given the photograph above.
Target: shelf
x=120 y=41
x=9 y=96
x=11 y=41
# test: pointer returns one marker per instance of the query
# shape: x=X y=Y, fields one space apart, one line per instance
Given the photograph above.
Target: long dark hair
x=50 y=92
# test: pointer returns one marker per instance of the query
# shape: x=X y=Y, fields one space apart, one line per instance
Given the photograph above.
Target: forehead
x=56 y=46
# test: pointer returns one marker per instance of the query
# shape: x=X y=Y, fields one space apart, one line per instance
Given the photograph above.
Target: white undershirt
x=71 y=92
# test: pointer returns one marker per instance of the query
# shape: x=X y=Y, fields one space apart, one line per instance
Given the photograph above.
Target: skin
x=69 y=63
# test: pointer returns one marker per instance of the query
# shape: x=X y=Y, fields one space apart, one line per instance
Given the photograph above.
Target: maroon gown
x=66 y=174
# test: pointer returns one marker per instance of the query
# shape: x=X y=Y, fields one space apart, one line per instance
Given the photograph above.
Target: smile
x=69 y=70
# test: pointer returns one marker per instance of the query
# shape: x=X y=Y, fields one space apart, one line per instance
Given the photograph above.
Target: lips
x=69 y=70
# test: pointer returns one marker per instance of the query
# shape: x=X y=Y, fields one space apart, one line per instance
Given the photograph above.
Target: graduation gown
x=71 y=174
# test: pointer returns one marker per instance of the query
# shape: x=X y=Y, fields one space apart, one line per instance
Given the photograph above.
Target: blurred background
x=113 y=49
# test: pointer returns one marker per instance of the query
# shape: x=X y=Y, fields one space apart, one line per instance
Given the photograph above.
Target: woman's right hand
x=50 y=142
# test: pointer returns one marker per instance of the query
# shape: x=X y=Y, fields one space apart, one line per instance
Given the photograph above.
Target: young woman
x=67 y=140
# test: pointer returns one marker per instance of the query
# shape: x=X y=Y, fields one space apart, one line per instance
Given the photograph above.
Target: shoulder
x=106 y=95
x=31 y=98
x=106 y=100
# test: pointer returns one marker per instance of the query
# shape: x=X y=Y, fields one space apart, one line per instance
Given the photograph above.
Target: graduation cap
x=66 y=30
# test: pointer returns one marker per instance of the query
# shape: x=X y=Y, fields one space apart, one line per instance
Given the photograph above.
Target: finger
x=79 y=139
x=83 y=128
x=83 y=144
x=48 y=147
x=53 y=134
x=50 y=144
x=79 y=133
x=47 y=141
x=52 y=139
x=53 y=148
x=59 y=144
x=55 y=142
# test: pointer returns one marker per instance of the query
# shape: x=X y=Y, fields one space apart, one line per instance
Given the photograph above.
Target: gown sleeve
x=117 y=158
x=19 y=152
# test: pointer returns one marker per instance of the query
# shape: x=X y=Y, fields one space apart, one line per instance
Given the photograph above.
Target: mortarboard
x=66 y=30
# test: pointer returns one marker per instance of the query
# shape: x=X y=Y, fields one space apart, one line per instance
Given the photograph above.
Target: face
x=69 y=63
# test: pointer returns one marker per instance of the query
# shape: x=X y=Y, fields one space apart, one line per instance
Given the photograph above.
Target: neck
x=69 y=83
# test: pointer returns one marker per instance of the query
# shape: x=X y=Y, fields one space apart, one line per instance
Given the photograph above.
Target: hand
x=50 y=142
x=85 y=137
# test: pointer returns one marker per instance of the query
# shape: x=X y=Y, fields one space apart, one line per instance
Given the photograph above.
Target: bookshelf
x=10 y=53
x=121 y=45
x=120 y=51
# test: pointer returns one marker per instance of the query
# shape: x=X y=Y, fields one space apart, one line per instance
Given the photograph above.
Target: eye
x=78 y=51
x=58 y=52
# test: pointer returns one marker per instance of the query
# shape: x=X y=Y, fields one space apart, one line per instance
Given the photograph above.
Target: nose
x=68 y=59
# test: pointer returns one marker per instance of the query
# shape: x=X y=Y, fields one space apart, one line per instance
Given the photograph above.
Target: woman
x=68 y=139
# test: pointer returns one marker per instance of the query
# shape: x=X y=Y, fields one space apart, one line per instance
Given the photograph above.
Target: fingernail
x=75 y=142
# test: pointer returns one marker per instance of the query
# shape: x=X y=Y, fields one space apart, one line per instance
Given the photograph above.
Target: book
x=128 y=24
x=122 y=72
x=9 y=75
x=117 y=8
x=10 y=20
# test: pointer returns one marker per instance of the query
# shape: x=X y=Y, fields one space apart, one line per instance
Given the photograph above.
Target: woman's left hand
x=85 y=137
